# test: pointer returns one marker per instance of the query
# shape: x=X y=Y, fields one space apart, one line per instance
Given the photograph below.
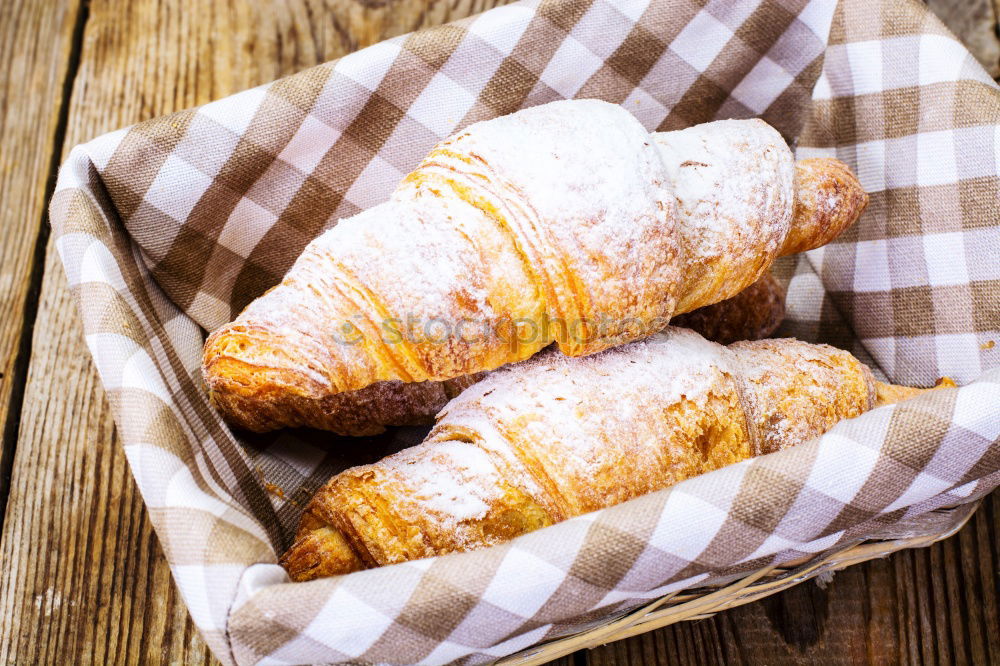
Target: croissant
x=752 y=314
x=564 y=223
x=554 y=437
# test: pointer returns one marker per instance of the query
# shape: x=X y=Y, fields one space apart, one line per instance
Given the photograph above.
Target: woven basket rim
x=703 y=602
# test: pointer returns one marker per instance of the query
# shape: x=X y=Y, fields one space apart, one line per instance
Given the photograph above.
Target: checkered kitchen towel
x=170 y=227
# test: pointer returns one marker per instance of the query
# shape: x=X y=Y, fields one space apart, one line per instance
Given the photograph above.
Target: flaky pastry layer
x=555 y=437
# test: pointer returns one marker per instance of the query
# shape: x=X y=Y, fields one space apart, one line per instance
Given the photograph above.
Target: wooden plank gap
x=19 y=373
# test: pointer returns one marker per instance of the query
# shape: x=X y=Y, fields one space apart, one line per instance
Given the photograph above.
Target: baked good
x=564 y=223
x=887 y=394
x=752 y=314
x=553 y=437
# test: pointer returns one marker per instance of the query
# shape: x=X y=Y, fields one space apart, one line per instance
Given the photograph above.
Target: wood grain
x=84 y=580
x=32 y=74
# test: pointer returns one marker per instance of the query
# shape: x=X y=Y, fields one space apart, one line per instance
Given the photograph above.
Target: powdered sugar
x=797 y=391
x=734 y=185
x=583 y=195
x=455 y=480
x=554 y=405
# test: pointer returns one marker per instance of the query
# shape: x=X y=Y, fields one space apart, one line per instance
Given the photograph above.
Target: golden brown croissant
x=554 y=437
x=566 y=222
x=752 y=314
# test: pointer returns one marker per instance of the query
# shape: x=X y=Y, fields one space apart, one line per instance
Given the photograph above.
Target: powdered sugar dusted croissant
x=566 y=222
x=752 y=314
x=554 y=437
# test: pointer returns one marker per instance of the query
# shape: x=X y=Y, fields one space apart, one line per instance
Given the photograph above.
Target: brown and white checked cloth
x=172 y=226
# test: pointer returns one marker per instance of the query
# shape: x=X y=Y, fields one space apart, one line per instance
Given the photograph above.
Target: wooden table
x=83 y=578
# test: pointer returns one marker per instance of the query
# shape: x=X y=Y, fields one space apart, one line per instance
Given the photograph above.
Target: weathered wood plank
x=937 y=605
x=84 y=580
x=32 y=73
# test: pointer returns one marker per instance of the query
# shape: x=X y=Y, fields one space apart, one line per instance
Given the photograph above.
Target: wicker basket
x=704 y=602
x=168 y=228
